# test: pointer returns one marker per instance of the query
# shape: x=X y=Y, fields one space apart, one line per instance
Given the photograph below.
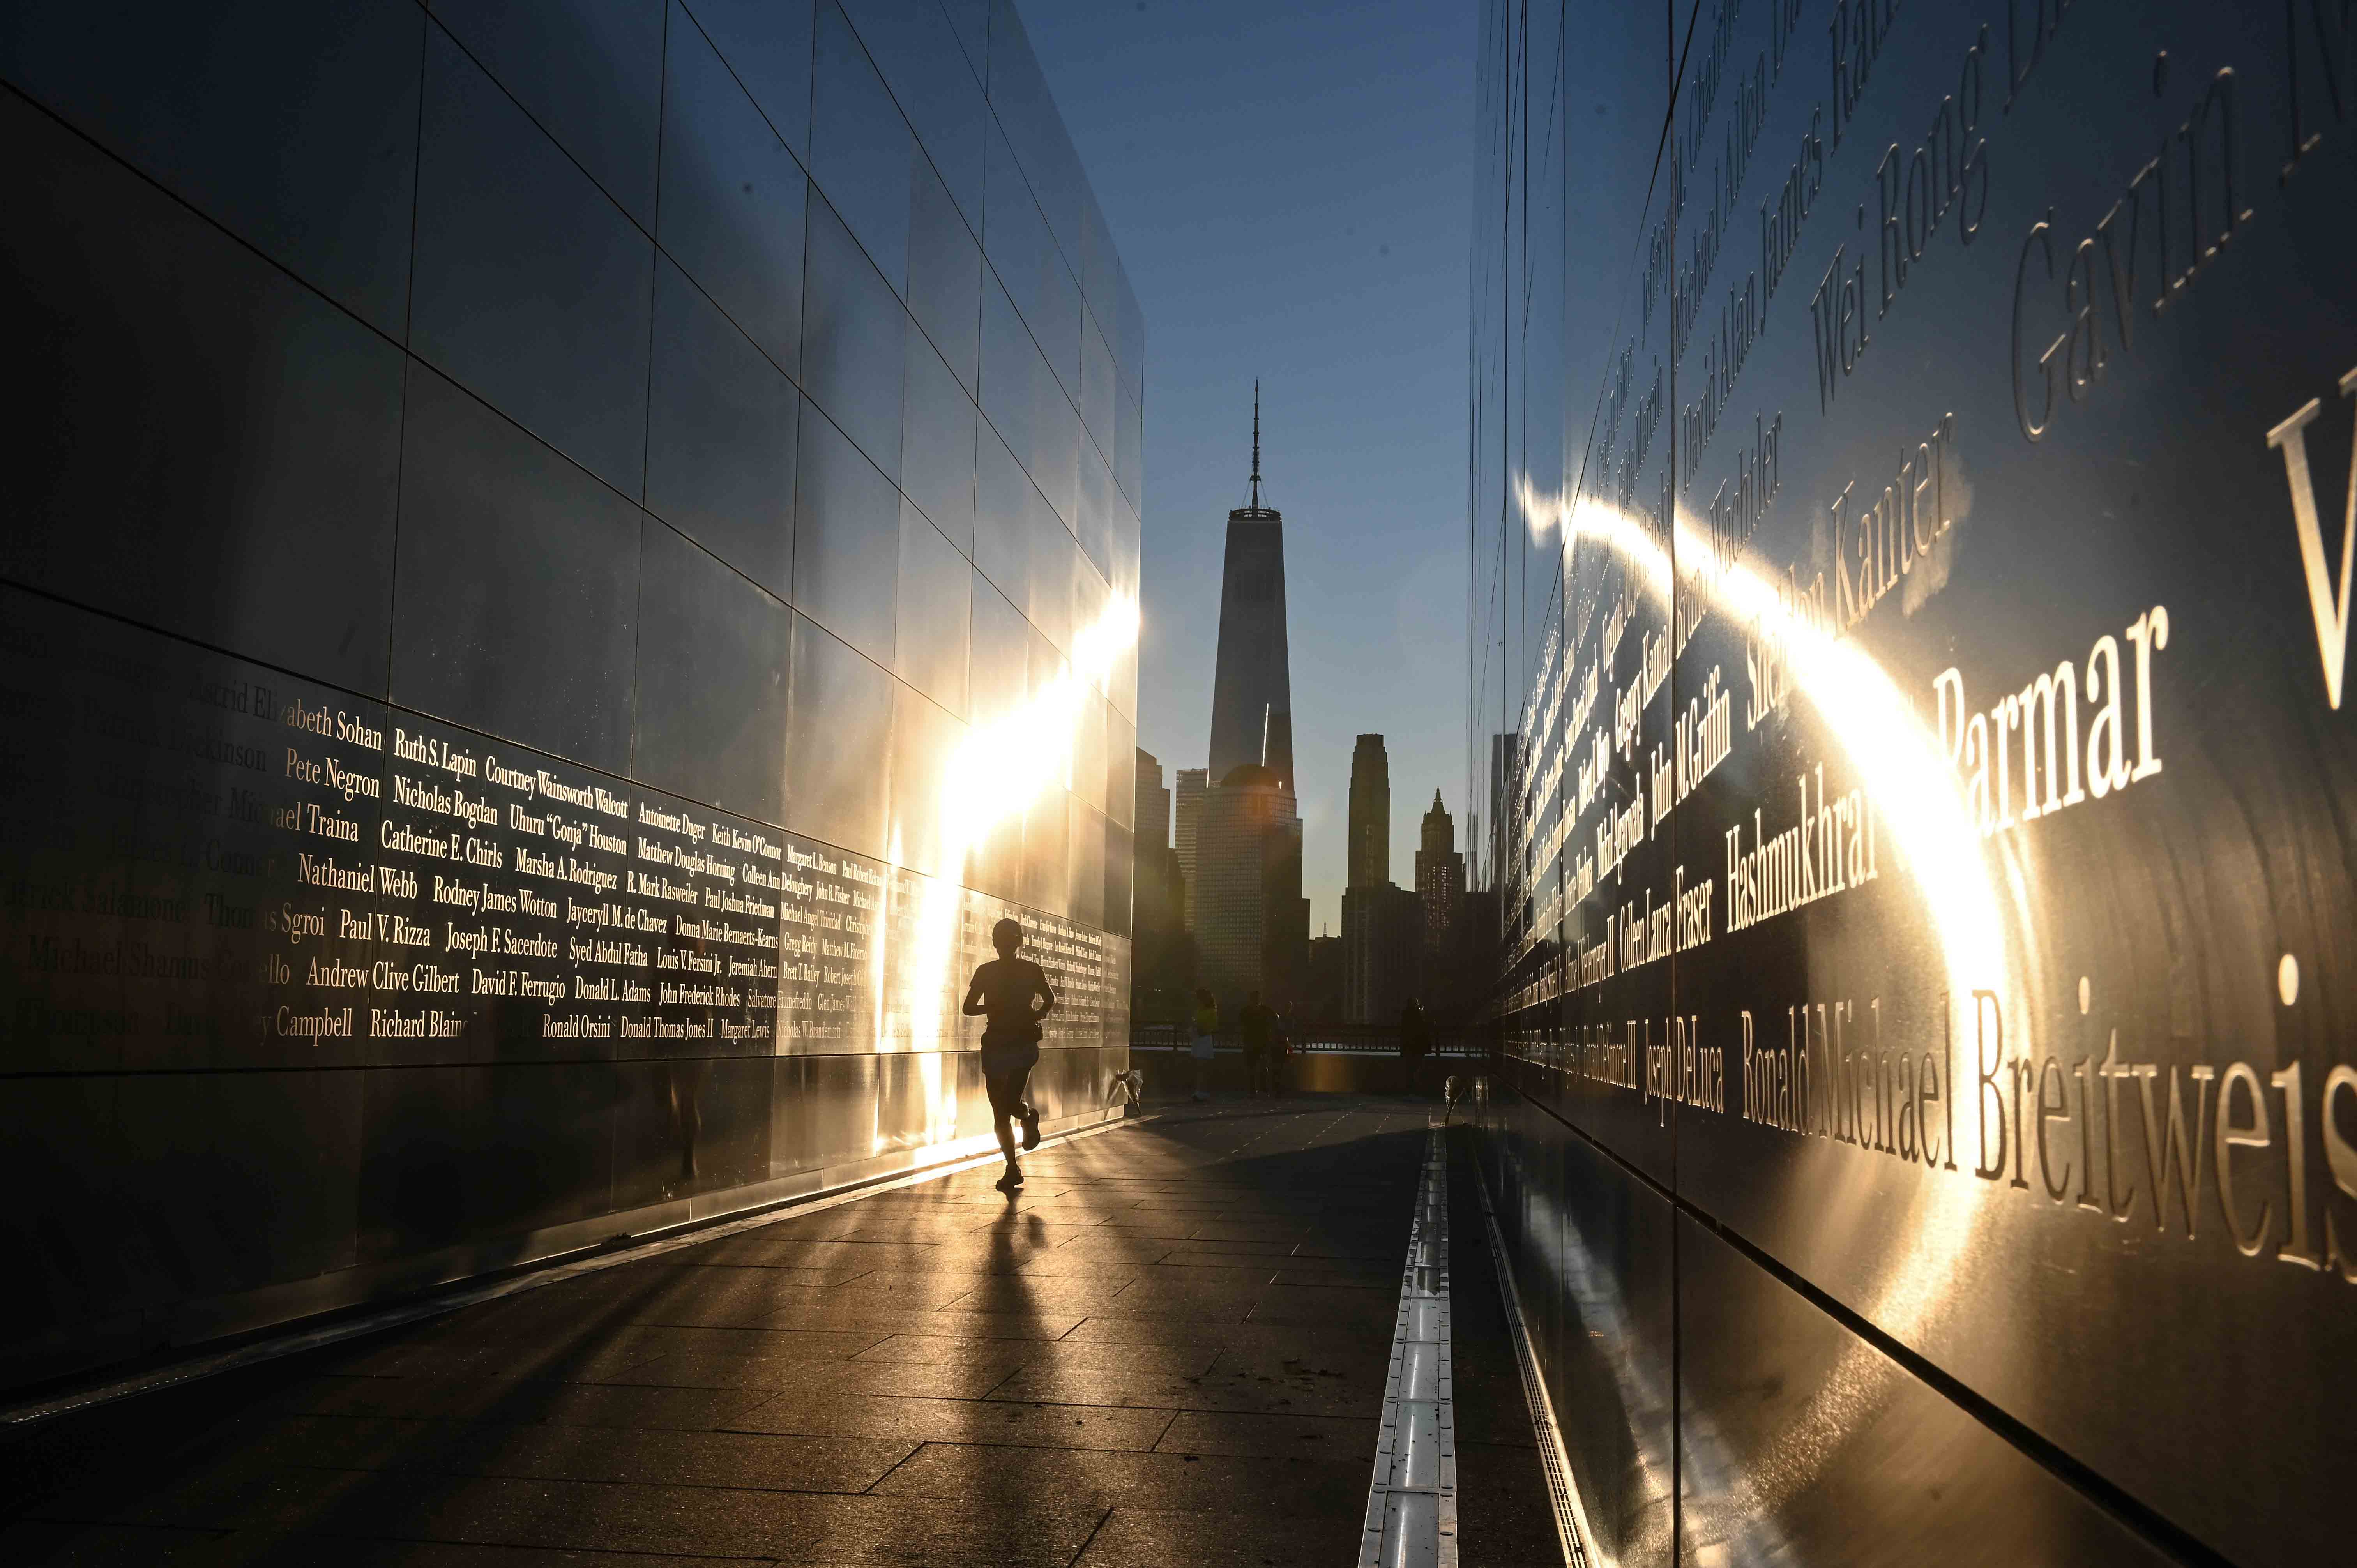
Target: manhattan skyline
x=1336 y=275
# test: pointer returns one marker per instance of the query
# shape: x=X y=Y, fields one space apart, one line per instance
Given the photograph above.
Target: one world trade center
x=1251 y=686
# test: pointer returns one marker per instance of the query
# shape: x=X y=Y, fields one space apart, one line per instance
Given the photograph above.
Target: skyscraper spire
x=1252 y=686
x=1255 y=477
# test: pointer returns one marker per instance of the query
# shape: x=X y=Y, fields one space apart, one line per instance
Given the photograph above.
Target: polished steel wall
x=565 y=563
x=1912 y=486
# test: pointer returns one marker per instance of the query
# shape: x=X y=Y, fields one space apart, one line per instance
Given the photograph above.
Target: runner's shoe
x=1030 y=1119
x=1012 y=1181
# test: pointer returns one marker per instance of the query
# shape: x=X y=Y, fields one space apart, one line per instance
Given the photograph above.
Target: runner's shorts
x=1006 y=1068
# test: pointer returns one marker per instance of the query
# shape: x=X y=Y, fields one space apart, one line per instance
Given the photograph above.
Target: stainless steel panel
x=846 y=538
x=470 y=911
x=1004 y=499
x=1047 y=850
x=732 y=196
x=2024 y=999
x=1129 y=357
x=861 y=149
x=767 y=45
x=1010 y=364
x=944 y=290
x=1120 y=874
x=1121 y=768
x=1055 y=460
x=937 y=443
x=1592 y=1257
x=710 y=689
x=59 y=1137
x=835 y=1115
x=293 y=126
x=1085 y=866
x=1995 y=797
x=722 y=423
x=933 y=629
x=1056 y=565
x=591 y=74
x=1100 y=504
x=926 y=827
x=998 y=679
x=837 y=740
x=916 y=47
x=1094 y=394
x=971 y=19
x=1100 y=268
x=529 y=285
x=198 y=412
x=1015 y=238
x=517 y=591
x=1603 y=871
x=915 y=1101
x=852 y=328
x=1790 y=1428
x=153 y=887
x=1019 y=95
x=453 y=1153
x=691 y=1126
x=245 y=1179
x=1129 y=448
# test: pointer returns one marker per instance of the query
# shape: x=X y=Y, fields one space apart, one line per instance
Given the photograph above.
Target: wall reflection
x=1919 y=798
x=560 y=774
x=1824 y=674
x=994 y=772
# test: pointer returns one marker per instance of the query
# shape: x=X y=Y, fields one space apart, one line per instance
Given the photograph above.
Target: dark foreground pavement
x=1170 y=1350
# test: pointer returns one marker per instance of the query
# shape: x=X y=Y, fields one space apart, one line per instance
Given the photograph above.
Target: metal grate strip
x=1412 y=1499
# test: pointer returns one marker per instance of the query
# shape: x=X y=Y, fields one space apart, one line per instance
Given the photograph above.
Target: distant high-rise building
x=1383 y=941
x=1151 y=824
x=1370 y=813
x=1187 y=811
x=1161 y=975
x=1252 y=686
x=1440 y=887
x=1379 y=944
x=1321 y=994
x=1252 y=924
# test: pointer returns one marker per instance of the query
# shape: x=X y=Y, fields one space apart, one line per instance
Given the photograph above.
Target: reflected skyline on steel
x=1920 y=798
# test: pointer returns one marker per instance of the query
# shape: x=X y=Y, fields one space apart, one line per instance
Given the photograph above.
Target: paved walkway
x=1171 y=1350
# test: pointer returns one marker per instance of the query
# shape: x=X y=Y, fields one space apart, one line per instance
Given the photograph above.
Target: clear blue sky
x=1290 y=186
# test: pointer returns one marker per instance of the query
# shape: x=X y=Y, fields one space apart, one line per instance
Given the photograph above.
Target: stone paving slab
x=1170 y=1348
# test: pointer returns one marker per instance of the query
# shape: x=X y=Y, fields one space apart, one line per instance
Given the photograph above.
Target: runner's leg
x=1006 y=1089
x=1025 y=1111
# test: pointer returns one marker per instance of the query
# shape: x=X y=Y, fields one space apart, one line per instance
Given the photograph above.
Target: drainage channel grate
x=1412 y=1501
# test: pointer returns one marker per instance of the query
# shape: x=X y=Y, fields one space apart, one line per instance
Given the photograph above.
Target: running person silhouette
x=1005 y=989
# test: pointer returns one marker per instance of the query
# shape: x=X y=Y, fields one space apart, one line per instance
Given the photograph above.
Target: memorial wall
x=565 y=566
x=1914 y=508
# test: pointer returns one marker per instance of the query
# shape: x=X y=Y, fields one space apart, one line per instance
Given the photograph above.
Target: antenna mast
x=1255 y=473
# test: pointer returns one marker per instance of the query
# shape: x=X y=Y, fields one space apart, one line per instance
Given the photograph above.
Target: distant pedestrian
x=1014 y=993
x=1207 y=1024
x=1257 y=1024
x=1415 y=1041
x=1280 y=1052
